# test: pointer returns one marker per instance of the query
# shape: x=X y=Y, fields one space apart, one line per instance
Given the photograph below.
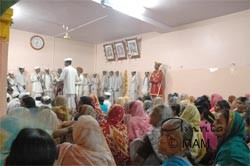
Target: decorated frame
x=109 y=52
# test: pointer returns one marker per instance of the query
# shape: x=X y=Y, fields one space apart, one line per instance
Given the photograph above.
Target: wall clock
x=36 y=42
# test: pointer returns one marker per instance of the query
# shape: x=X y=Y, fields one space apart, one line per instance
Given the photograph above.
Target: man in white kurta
x=21 y=80
x=111 y=86
x=48 y=83
x=94 y=84
x=36 y=81
x=105 y=82
x=134 y=87
x=118 y=85
x=69 y=78
x=86 y=84
x=79 y=83
x=11 y=80
x=146 y=84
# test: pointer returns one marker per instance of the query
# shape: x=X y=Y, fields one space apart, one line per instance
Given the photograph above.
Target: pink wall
x=52 y=55
x=189 y=51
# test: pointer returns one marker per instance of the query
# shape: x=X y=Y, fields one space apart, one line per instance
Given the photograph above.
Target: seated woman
x=207 y=119
x=116 y=134
x=138 y=125
x=232 y=149
x=35 y=117
x=214 y=99
x=174 y=132
x=241 y=105
x=90 y=146
x=221 y=105
x=86 y=110
x=192 y=116
x=32 y=147
x=147 y=153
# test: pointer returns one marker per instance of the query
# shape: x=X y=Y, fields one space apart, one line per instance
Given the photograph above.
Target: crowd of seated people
x=208 y=130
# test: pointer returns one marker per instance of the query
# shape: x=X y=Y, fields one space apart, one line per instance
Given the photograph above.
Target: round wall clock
x=37 y=42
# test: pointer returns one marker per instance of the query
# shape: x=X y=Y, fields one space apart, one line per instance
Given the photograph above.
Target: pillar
x=5 y=22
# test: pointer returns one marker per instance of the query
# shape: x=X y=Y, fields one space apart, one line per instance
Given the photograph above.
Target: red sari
x=156 y=80
x=116 y=134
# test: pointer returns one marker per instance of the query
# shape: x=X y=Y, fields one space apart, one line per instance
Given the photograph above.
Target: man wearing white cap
x=134 y=86
x=69 y=78
x=48 y=83
x=21 y=79
x=94 y=84
x=36 y=80
x=86 y=84
x=118 y=85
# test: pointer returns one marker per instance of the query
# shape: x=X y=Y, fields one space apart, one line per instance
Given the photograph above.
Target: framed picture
x=109 y=52
x=120 y=50
x=133 y=50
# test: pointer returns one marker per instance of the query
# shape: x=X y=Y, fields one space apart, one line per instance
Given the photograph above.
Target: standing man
x=118 y=85
x=105 y=82
x=146 y=84
x=69 y=78
x=58 y=85
x=94 y=84
x=156 y=81
x=37 y=83
x=21 y=80
x=111 y=86
x=86 y=84
x=47 y=83
x=79 y=85
x=134 y=86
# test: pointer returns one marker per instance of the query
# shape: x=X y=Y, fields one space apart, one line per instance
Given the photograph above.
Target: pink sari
x=139 y=122
x=214 y=99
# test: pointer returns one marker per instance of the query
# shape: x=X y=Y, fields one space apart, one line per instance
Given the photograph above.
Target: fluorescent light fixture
x=66 y=36
x=132 y=8
x=213 y=69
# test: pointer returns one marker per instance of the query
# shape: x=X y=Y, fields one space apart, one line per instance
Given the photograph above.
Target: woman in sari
x=95 y=102
x=214 y=99
x=116 y=134
x=192 y=116
x=232 y=148
x=147 y=153
x=90 y=146
x=87 y=110
x=139 y=122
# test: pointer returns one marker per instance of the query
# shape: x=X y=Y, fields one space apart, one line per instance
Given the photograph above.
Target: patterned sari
x=116 y=134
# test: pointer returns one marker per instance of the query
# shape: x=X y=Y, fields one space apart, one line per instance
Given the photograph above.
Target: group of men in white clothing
x=77 y=84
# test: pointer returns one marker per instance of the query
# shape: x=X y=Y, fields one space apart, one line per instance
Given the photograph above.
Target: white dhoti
x=70 y=98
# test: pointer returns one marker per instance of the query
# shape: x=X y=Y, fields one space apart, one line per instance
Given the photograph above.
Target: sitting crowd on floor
x=207 y=130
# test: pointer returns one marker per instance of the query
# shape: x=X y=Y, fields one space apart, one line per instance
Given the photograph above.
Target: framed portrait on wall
x=132 y=47
x=120 y=50
x=109 y=52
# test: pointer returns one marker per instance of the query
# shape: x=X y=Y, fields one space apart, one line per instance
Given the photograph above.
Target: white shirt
x=48 y=80
x=111 y=83
x=69 y=78
x=20 y=78
x=118 y=83
x=105 y=82
x=36 y=83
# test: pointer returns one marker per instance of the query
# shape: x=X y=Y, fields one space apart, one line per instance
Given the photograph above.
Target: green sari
x=232 y=149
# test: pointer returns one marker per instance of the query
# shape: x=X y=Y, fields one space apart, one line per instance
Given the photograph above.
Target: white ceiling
x=91 y=22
